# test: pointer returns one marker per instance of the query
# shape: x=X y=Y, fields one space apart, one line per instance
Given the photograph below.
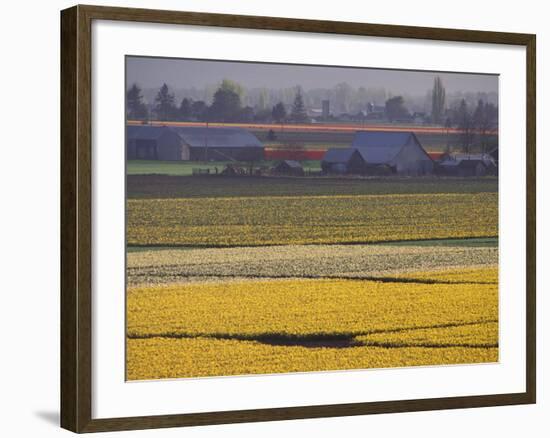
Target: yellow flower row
x=300 y=325
x=310 y=219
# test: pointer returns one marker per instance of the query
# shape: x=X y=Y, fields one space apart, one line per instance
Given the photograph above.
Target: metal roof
x=291 y=163
x=145 y=132
x=449 y=163
x=217 y=137
x=379 y=147
x=486 y=159
x=471 y=163
x=339 y=155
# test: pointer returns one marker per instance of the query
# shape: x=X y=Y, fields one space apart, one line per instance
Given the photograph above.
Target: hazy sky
x=183 y=73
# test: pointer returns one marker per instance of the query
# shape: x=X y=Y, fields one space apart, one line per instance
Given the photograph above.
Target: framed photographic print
x=268 y=219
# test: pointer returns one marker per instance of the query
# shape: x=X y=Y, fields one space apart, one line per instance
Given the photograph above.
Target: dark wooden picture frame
x=76 y=218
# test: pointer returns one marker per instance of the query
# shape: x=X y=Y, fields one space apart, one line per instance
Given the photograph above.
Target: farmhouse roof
x=380 y=147
x=487 y=159
x=449 y=163
x=217 y=137
x=437 y=156
x=338 y=155
x=471 y=163
x=146 y=132
x=464 y=163
x=291 y=163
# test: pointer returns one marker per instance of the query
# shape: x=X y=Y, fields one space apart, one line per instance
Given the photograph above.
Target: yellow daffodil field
x=311 y=325
x=276 y=220
x=262 y=282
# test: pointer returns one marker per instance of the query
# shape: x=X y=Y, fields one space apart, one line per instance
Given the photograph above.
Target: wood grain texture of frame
x=76 y=225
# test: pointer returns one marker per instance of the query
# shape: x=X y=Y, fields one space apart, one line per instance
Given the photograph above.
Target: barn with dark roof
x=289 y=167
x=494 y=154
x=342 y=161
x=400 y=151
x=220 y=144
x=154 y=143
x=467 y=165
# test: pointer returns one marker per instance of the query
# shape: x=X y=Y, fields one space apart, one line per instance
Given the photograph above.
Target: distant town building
x=420 y=118
x=326 y=109
x=375 y=112
x=315 y=113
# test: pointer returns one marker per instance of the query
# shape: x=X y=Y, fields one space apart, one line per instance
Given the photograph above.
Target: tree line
x=475 y=123
x=226 y=106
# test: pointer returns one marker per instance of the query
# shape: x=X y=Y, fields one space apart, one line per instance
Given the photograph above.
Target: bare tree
x=485 y=118
x=448 y=126
x=438 y=101
x=466 y=126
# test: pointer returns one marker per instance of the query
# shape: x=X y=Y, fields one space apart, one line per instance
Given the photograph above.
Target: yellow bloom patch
x=277 y=220
x=302 y=325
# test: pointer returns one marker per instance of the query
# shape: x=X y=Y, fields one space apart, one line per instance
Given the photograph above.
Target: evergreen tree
x=438 y=101
x=279 y=112
x=135 y=107
x=395 y=108
x=199 y=110
x=165 y=108
x=298 y=113
x=226 y=106
x=185 y=110
x=246 y=114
